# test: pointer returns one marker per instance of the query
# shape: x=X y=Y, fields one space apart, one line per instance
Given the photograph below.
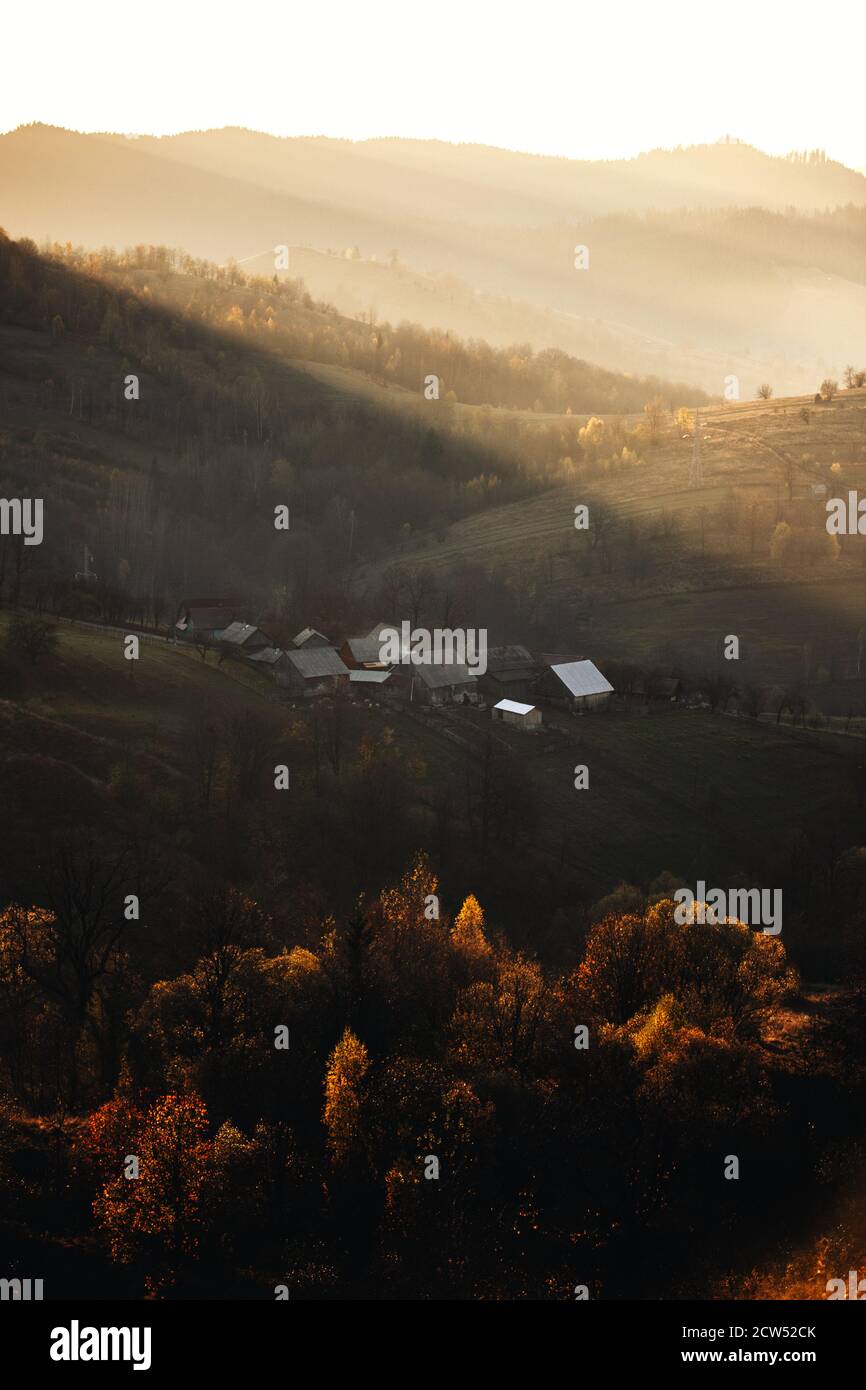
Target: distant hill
x=704 y=262
x=442 y=182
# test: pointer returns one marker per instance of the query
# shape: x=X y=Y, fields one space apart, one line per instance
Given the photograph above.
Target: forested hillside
x=232 y=419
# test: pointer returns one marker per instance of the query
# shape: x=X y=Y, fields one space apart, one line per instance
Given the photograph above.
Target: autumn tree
x=506 y=1021
x=716 y=971
x=159 y=1212
x=409 y=954
x=36 y=1035
x=344 y=1089
x=468 y=940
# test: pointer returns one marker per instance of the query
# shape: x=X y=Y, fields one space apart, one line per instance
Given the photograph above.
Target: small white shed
x=513 y=712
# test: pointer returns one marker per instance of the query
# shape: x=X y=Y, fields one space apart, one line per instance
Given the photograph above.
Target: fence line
x=120 y=631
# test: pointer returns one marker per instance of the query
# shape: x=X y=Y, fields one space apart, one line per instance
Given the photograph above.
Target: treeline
x=740 y=242
x=471 y=371
x=406 y=1108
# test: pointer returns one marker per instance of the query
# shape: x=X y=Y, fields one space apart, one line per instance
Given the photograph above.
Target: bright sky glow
x=589 y=81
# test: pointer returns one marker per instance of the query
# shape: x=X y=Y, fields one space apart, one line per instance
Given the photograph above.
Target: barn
x=316 y=671
x=520 y=715
x=511 y=673
x=578 y=684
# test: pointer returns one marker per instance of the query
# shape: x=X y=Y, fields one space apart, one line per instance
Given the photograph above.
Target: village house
x=365 y=653
x=309 y=637
x=516 y=713
x=578 y=685
x=652 y=686
x=201 y=622
x=245 y=638
x=269 y=659
x=365 y=684
x=511 y=673
x=318 y=671
x=445 y=684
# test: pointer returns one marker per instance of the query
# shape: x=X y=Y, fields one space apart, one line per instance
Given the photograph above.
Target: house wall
x=522 y=721
x=440 y=696
x=584 y=702
x=496 y=690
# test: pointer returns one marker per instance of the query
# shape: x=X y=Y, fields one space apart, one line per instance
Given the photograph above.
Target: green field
x=682 y=790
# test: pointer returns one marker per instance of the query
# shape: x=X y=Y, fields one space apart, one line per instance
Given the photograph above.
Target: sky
x=595 y=81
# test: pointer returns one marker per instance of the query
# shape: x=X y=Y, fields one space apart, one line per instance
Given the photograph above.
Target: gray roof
x=514 y=707
x=310 y=636
x=582 y=678
x=366 y=649
x=317 y=662
x=370 y=677
x=507 y=674
x=240 y=633
x=508 y=658
x=268 y=656
x=436 y=676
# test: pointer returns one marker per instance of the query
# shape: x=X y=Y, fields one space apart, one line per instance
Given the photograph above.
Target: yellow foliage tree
x=347 y=1066
x=467 y=933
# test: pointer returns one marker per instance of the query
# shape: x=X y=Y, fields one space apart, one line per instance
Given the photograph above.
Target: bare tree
x=33 y=637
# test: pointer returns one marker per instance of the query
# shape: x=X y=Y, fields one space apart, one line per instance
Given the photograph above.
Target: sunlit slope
x=752 y=446
x=715 y=568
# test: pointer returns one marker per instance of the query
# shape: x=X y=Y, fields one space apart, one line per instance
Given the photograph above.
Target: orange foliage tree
x=158 y=1212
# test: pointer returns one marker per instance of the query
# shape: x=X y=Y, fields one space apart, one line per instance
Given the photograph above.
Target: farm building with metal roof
x=515 y=712
x=310 y=637
x=316 y=671
x=579 y=683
